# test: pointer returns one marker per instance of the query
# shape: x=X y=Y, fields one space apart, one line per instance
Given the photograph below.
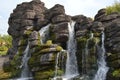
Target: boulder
x=54 y=11
x=61 y=18
x=59 y=32
x=101 y=13
x=97 y=27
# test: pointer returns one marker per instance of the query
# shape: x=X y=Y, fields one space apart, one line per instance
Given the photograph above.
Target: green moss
x=81 y=42
x=4 y=75
x=44 y=75
x=40 y=47
x=45 y=50
x=116 y=73
x=59 y=72
x=93 y=42
x=14 y=66
x=15 y=73
x=32 y=61
x=49 y=42
x=97 y=34
x=7 y=68
x=23 y=42
x=27 y=33
x=59 y=48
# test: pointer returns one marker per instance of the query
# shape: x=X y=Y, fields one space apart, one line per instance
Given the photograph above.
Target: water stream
x=71 y=64
x=44 y=33
x=85 y=55
x=102 y=68
x=25 y=74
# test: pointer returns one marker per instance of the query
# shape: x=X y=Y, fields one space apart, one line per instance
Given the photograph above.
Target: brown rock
x=54 y=11
x=61 y=18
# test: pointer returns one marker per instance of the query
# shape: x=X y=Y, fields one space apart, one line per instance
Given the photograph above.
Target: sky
x=72 y=7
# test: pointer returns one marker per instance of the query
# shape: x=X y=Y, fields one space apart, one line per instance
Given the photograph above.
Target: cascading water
x=102 y=68
x=71 y=64
x=85 y=59
x=57 y=62
x=44 y=33
x=25 y=74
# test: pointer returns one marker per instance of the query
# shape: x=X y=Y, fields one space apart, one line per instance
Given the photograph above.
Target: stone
x=113 y=36
x=34 y=43
x=54 y=11
x=60 y=18
x=34 y=36
x=97 y=27
x=29 y=14
x=101 y=13
x=27 y=23
x=81 y=19
x=13 y=32
x=60 y=32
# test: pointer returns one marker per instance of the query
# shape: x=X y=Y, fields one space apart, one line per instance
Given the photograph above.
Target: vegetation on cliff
x=114 y=8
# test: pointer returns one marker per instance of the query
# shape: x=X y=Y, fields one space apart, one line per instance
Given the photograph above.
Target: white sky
x=72 y=7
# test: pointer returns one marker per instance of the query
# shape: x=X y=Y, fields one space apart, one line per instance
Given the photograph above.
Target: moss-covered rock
x=49 y=42
x=81 y=42
x=116 y=73
x=23 y=42
x=44 y=75
x=4 y=75
x=59 y=48
x=44 y=69
x=27 y=32
x=92 y=42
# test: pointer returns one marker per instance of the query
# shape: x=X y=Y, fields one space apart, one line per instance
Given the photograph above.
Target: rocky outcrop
x=82 y=24
x=24 y=20
x=24 y=25
x=42 y=60
x=112 y=43
x=29 y=18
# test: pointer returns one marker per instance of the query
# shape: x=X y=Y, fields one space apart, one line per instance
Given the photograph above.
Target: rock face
x=23 y=21
x=30 y=17
x=112 y=43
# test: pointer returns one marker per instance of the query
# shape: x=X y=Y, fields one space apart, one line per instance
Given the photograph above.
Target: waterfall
x=85 y=55
x=71 y=63
x=44 y=33
x=25 y=71
x=25 y=74
x=102 y=68
x=57 y=62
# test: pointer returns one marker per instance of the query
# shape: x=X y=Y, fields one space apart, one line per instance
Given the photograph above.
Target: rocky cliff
x=29 y=18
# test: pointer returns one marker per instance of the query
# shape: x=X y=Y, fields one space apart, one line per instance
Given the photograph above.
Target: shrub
x=114 y=8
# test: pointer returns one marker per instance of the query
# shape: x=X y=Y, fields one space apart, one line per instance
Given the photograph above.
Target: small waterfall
x=71 y=64
x=44 y=33
x=60 y=56
x=85 y=55
x=57 y=62
x=25 y=69
x=102 y=68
